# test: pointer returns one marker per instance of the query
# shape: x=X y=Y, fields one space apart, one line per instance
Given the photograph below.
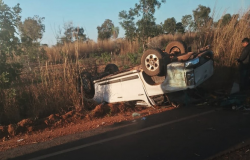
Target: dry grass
x=226 y=40
x=52 y=92
x=161 y=41
x=89 y=49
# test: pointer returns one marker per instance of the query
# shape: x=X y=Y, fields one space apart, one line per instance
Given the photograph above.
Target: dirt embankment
x=30 y=131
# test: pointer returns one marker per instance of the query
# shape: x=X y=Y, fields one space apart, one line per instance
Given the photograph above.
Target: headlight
x=192 y=63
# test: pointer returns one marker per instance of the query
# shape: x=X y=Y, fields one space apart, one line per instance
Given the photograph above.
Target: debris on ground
x=135 y=114
x=20 y=140
x=231 y=99
x=236 y=101
x=202 y=104
x=143 y=118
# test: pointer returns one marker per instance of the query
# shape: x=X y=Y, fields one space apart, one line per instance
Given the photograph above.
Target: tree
x=105 y=31
x=145 y=28
x=115 y=32
x=9 y=20
x=201 y=16
x=169 y=25
x=9 y=42
x=145 y=25
x=128 y=23
x=72 y=33
x=32 y=28
x=158 y=29
x=226 y=19
x=78 y=34
x=31 y=31
x=199 y=19
x=179 y=28
x=187 y=22
x=68 y=32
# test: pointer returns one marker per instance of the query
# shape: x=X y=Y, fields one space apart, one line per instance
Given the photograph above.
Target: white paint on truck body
x=133 y=85
x=126 y=86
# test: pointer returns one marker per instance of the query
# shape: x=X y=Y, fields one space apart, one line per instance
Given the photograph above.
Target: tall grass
x=88 y=49
x=52 y=92
x=161 y=41
x=226 y=39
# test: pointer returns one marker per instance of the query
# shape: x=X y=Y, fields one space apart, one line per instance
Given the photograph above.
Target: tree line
x=17 y=38
x=139 y=23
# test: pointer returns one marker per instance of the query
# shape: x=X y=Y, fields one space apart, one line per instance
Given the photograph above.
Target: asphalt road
x=191 y=133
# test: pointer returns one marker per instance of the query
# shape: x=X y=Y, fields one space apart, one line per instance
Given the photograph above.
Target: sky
x=92 y=13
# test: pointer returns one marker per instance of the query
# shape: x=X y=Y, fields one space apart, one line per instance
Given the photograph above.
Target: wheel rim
x=175 y=49
x=152 y=62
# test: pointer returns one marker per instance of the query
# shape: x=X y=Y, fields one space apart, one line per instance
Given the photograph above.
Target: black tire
x=152 y=62
x=85 y=83
x=111 y=68
x=176 y=47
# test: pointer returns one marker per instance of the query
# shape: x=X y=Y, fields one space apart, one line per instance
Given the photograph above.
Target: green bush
x=106 y=57
x=94 y=55
x=134 y=58
x=9 y=72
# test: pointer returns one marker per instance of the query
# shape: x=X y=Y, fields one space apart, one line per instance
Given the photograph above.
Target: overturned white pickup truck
x=160 y=73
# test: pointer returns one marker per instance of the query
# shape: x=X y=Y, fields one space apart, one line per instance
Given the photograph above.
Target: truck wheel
x=111 y=68
x=152 y=62
x=176 y=47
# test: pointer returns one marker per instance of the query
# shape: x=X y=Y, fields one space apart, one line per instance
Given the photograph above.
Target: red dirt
x=12 y=129
x=30 y=131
